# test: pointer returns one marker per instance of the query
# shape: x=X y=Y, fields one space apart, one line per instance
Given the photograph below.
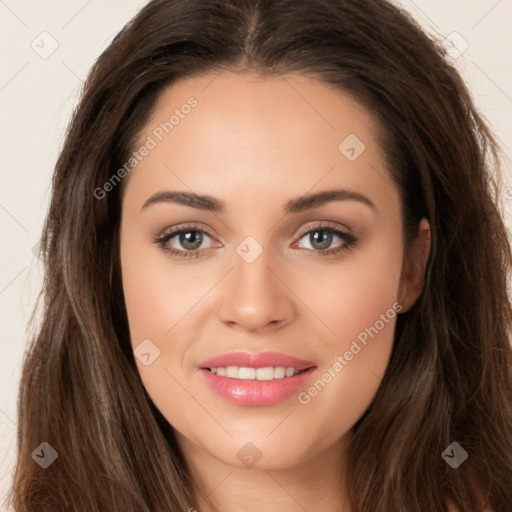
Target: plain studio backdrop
x=47 y=49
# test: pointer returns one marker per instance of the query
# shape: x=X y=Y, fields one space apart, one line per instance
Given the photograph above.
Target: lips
x=262 y=360
x=256 y=379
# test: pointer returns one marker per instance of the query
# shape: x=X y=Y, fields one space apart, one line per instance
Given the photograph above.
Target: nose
x=255 y=297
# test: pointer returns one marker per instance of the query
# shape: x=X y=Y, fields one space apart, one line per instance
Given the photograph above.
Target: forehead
x=246 y=133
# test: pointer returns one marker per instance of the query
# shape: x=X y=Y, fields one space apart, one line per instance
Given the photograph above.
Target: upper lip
x=261 y=360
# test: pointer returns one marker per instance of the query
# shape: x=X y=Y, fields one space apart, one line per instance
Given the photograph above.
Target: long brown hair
x=449 y=377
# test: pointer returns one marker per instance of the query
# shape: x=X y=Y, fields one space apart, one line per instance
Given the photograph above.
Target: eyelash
x=349 y=240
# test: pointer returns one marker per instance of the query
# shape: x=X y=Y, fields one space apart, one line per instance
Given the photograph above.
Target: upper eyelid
x=324 y=224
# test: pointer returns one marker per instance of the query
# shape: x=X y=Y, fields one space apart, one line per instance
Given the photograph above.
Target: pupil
x=325 y=241
x=188 y=238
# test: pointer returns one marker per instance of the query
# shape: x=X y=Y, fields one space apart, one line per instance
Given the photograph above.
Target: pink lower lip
x=256 y=393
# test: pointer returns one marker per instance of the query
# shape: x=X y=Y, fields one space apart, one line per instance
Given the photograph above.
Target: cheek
x=351 y=295
x=157 y=292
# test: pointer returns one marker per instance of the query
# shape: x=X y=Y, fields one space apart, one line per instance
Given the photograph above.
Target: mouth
x=256 y=380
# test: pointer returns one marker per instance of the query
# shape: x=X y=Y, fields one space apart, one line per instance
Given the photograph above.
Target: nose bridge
x=255 y=297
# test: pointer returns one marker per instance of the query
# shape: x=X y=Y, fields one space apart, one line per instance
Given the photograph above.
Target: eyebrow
x=297 y=205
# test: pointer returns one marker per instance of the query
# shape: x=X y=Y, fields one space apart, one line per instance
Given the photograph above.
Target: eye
x=190 y=238
x=322 y=236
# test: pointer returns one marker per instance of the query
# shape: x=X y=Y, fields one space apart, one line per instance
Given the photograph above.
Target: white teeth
x=232 y=371
x=265 y=373
x=244 y=373
x=280 y=372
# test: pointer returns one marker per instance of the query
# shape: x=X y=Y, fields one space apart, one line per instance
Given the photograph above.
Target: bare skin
x=255 y=144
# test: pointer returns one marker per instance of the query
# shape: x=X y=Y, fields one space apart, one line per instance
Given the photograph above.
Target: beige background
x=38 y=92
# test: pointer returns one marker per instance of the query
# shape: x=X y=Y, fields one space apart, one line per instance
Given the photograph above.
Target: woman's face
x=290 y=259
